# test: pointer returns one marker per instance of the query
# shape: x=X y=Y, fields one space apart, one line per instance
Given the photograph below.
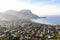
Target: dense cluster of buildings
x=33 y=31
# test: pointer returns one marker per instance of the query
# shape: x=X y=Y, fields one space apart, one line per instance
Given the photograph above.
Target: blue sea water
x=48 y=20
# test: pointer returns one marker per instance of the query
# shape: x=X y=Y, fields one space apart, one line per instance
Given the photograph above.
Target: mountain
x=12 y=17
x=17 y=15
x=28 y=13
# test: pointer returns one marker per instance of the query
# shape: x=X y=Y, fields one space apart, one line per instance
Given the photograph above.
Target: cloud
x=38 y=7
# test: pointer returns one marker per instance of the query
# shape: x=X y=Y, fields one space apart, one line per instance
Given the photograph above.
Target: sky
x=38 y=7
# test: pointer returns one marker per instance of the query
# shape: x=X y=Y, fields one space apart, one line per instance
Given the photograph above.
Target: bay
x=54 y=19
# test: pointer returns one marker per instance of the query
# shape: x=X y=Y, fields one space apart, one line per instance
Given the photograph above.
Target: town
x=31 y=31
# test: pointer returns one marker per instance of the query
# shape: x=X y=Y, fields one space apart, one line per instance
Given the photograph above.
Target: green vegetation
x=4 y=38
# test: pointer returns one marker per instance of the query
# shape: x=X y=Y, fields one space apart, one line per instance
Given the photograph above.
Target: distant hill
x=17 y=15
x=12 y=17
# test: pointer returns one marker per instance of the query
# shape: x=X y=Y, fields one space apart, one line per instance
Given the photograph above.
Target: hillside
x=17 y=15
x=12 y=17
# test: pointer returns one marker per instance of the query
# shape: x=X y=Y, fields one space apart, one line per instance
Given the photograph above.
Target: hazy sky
x=39 y=7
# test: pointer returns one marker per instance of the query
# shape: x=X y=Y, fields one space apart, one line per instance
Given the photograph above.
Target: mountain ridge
x=14 y=15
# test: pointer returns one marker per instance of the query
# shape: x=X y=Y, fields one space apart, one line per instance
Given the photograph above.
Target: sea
x=53 y=19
